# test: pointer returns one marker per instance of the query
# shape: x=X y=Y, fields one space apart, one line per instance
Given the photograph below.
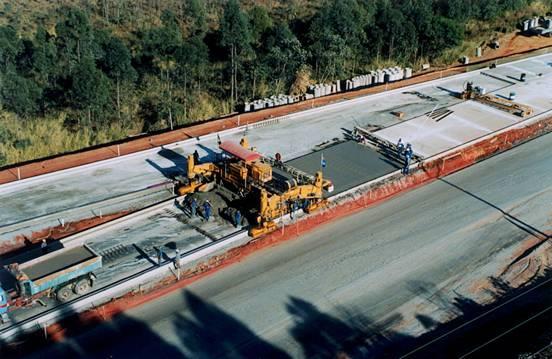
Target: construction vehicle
x=239 y=171
x=199 y=177
x=61 y=274
x=478 y=94
x=273 y=205
x=471 y=91
x=247 y=173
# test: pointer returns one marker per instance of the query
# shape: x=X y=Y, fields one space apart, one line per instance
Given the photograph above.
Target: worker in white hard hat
x=400 y=146
x=44 y=246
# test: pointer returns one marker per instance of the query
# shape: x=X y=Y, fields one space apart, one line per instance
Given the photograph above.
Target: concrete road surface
x=388 y=273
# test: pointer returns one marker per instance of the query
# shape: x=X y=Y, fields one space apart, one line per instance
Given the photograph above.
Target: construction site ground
x=369 y=284
x=470 y=120
x=134 y=239
x=132 y=245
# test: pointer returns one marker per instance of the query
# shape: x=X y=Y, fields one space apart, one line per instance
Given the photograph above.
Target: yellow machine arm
x=200 y=177
x=205 y=169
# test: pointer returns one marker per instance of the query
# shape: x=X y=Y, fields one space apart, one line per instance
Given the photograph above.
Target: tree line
x=220 y=50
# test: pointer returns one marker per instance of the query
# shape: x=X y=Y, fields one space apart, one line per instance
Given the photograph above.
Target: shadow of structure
x=212 y=156
x=524 y=226
x=212 y=333
x=325 y=336
x=179 y=163
x=122 y=337
x=517 y=322
x=452 y=93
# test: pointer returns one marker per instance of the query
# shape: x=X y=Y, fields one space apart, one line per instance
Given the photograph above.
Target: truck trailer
x=61 y=274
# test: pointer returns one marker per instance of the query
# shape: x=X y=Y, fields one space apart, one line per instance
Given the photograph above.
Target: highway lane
x=388 y=273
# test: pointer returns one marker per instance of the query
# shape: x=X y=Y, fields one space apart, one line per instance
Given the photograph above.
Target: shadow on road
x=326 y=336
x=179 y=163
x=76 y=337
x=518 y=322
x=212 y=333
x=512 y=219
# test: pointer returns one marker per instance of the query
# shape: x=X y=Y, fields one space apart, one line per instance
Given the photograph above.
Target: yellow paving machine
x=248 y=174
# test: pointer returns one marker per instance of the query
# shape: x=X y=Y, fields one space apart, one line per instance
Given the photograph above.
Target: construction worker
x=159 y=255
x=293 y=207
x=207 y=209
x=305 y=205
x=193 y=207
x=290 y=205
x=196 y=157
x=44 y=247
x=177 y=258
x=237 y=218
x=407 y=158
x=400 y=146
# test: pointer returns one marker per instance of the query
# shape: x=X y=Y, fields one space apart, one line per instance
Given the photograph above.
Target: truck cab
x=3 y=305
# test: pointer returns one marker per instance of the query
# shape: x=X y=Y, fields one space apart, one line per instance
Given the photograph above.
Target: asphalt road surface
x=384 y=275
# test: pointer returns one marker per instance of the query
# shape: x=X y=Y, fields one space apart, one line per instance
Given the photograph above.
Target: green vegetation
x=73 y=75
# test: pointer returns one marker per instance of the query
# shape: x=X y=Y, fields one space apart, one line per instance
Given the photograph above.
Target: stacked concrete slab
x=537 y=26
x=318 y=90
x=276 y=100
x=375 y=77
x=379 y=76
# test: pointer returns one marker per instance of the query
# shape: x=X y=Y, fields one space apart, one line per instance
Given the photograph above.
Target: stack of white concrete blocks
x=319 y=90
x=378 y=77
x=276 y=100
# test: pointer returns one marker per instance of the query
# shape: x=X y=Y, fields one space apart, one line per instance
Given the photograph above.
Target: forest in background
x=76 y=73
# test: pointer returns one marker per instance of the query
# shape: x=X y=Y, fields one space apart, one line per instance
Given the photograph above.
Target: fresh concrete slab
x=470 y=119
x=348 y=164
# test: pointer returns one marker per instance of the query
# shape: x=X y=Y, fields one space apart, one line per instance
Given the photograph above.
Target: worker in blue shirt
x=3 y=303
x=207 y=209
x=407 y=158
x=400 y=146
x=193 y=207
x=237 y=218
